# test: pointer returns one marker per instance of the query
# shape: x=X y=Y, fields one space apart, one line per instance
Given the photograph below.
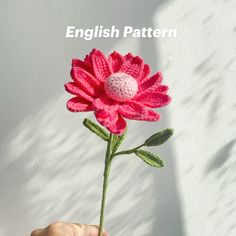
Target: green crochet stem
x=105 y=182
x=127 y=152
x=113 y=143
x=110 y=155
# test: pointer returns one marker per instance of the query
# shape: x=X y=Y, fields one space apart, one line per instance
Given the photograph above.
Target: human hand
x=67 y=229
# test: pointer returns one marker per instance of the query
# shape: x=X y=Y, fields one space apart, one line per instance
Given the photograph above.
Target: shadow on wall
x=44 y=175
x=222 y=168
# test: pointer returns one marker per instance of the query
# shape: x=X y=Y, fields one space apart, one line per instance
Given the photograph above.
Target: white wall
x=48 y=170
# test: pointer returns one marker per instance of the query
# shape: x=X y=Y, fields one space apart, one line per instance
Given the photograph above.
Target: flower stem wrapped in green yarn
x=113 y=143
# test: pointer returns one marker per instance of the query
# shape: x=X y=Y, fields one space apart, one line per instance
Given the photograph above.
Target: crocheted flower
x=115 y=88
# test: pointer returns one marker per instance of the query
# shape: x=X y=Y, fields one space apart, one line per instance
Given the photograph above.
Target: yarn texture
x=120 y=87
x=115 y=88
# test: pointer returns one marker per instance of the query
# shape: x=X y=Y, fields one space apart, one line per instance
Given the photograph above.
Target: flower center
x=120 y=87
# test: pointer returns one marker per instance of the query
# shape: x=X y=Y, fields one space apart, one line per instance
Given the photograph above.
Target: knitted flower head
x=115 y=88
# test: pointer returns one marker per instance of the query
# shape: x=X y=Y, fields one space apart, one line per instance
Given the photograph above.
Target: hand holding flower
x=68 y=229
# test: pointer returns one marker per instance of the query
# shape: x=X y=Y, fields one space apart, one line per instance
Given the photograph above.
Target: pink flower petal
x=153 y=99
x=128 y=56
x=134 y=67
x=101 y=65
x=78 y=63
x=153 y=81
x=106 y=113
x=116 y=60
x=105 y=104
x=145 y=73
x=137 y=111
x=77 y=104
x=146 y=68
x=86 y=81
x=153 y=89
x=72 y=88
x=88 y=60
x=160 y=89
x=112 y=121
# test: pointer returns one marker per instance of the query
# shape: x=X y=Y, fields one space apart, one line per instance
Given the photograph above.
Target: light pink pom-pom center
x=120 y=87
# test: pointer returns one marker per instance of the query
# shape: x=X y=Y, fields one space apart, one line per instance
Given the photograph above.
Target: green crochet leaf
x=150 y=158
x=98 y=130
x=117 y=140
x=159 y=138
